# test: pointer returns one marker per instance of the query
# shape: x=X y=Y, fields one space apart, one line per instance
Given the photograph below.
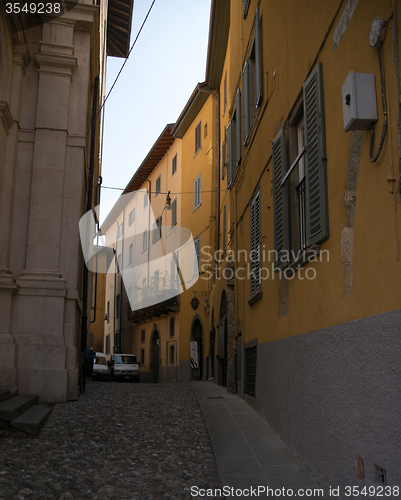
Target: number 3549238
x=33 y=8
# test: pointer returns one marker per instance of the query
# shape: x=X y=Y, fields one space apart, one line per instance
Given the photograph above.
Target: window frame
x=197 y=191
x=198 y=137
x=131 y=217
x=174 y=165
x=158 y=185
x=196 y=269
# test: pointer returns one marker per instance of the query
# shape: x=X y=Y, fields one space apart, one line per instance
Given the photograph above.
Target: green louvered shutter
x=317 y=220
x=255 y=244
x=229 y=155
x=258 y=60
x=280 y=202
x=245 y=98
x=238 y=128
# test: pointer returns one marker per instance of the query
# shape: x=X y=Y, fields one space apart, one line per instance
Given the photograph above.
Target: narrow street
x=119 y=440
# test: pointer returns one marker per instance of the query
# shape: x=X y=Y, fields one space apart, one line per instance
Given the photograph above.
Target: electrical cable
x=385 y=117
x=122 y=67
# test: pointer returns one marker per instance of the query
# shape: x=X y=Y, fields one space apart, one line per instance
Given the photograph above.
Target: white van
x=101 y=370
x=125 y=367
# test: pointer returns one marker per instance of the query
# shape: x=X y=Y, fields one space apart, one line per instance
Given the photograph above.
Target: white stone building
x=51 y=83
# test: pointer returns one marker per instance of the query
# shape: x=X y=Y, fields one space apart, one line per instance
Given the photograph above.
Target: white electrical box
x=359 y=101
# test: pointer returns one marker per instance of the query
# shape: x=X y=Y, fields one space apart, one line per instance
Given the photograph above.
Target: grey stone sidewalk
x=248 y=452
x=120 y=441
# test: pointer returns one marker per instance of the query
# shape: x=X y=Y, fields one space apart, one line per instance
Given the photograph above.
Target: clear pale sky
x=167 y=62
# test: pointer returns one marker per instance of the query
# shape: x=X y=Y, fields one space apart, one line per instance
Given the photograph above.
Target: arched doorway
x=154 y=356
x=197 y=336
x=222 y=342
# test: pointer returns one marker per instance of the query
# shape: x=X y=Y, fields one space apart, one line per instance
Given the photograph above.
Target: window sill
x=255 y=298
x=307 y=256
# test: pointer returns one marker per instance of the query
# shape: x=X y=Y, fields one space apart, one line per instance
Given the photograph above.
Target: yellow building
x=309 y=126
x=196 y=127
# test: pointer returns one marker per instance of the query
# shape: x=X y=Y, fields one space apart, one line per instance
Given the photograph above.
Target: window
x=156 y=279
x=142 y=357
x=172 y=354
x=250 y=370
x=198 y=138
x=173 y=273
x=174 y=165
x=144 y=241
x=107 y=344
x=131 y=217
x=196 y=255
x=172 y=327
x=145 y=200
x=174 y=213
x=158 y=183
x=299 y=177
x=197 y=192
x=252 y=81
x=205 y=131
x=118 y=305
x=224 y=243
x=142 y=336
x=108 y=312
x=234 y=145
x=119 y=262
x=157 y=229
x=131 y=254
x=255 y=245
x=245 y=6
x=120 y=229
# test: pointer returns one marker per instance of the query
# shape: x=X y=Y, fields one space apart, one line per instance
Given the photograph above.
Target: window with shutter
x=229 y=155
x=174 y=165
x=158 y=184
x=300 y=184
x=198 y=137
x=197 y=192
x=252 y=82
x=174 y=213
x=234 y=143
x=255 y=244
x=238 y=142
x=196 y=256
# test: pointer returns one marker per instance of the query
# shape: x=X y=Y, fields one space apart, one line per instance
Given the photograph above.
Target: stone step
x=4 y=394
x=12 y=408
x=33 y=420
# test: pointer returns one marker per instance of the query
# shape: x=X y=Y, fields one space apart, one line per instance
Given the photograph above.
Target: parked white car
x=125 y=367
x=101 y=369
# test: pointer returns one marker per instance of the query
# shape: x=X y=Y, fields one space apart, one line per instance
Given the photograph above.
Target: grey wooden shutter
x=280 y=202
x=229 y=154
x=255 y=244
x=238 y=128
x=317 y=220
x=258 y=60
x=245 y=98
x=223 y=158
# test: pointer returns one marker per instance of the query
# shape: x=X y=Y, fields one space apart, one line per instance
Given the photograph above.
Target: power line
x=122 y=67
x=165 y=192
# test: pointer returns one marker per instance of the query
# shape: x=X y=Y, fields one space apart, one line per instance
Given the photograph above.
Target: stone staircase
x=22 y=413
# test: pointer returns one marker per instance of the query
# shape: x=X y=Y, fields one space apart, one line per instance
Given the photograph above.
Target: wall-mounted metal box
x=359 y=101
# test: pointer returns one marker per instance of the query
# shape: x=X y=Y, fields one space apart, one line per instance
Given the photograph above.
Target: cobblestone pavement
x=119 y=440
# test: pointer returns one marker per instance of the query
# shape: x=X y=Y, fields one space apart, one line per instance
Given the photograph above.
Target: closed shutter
x=238 y=127
x=245 y=98
x=317 y=220
x=255 y=244
x=258 y=60
x=229 y=155
x=280 y=202
x=223 y=158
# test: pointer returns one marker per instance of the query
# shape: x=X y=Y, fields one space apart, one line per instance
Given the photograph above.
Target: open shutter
x=280 y=202
x=255 y=244
x=245 y=97
x=258 y=60
x=238 y=128
x=229 y=155
x=317 y=220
